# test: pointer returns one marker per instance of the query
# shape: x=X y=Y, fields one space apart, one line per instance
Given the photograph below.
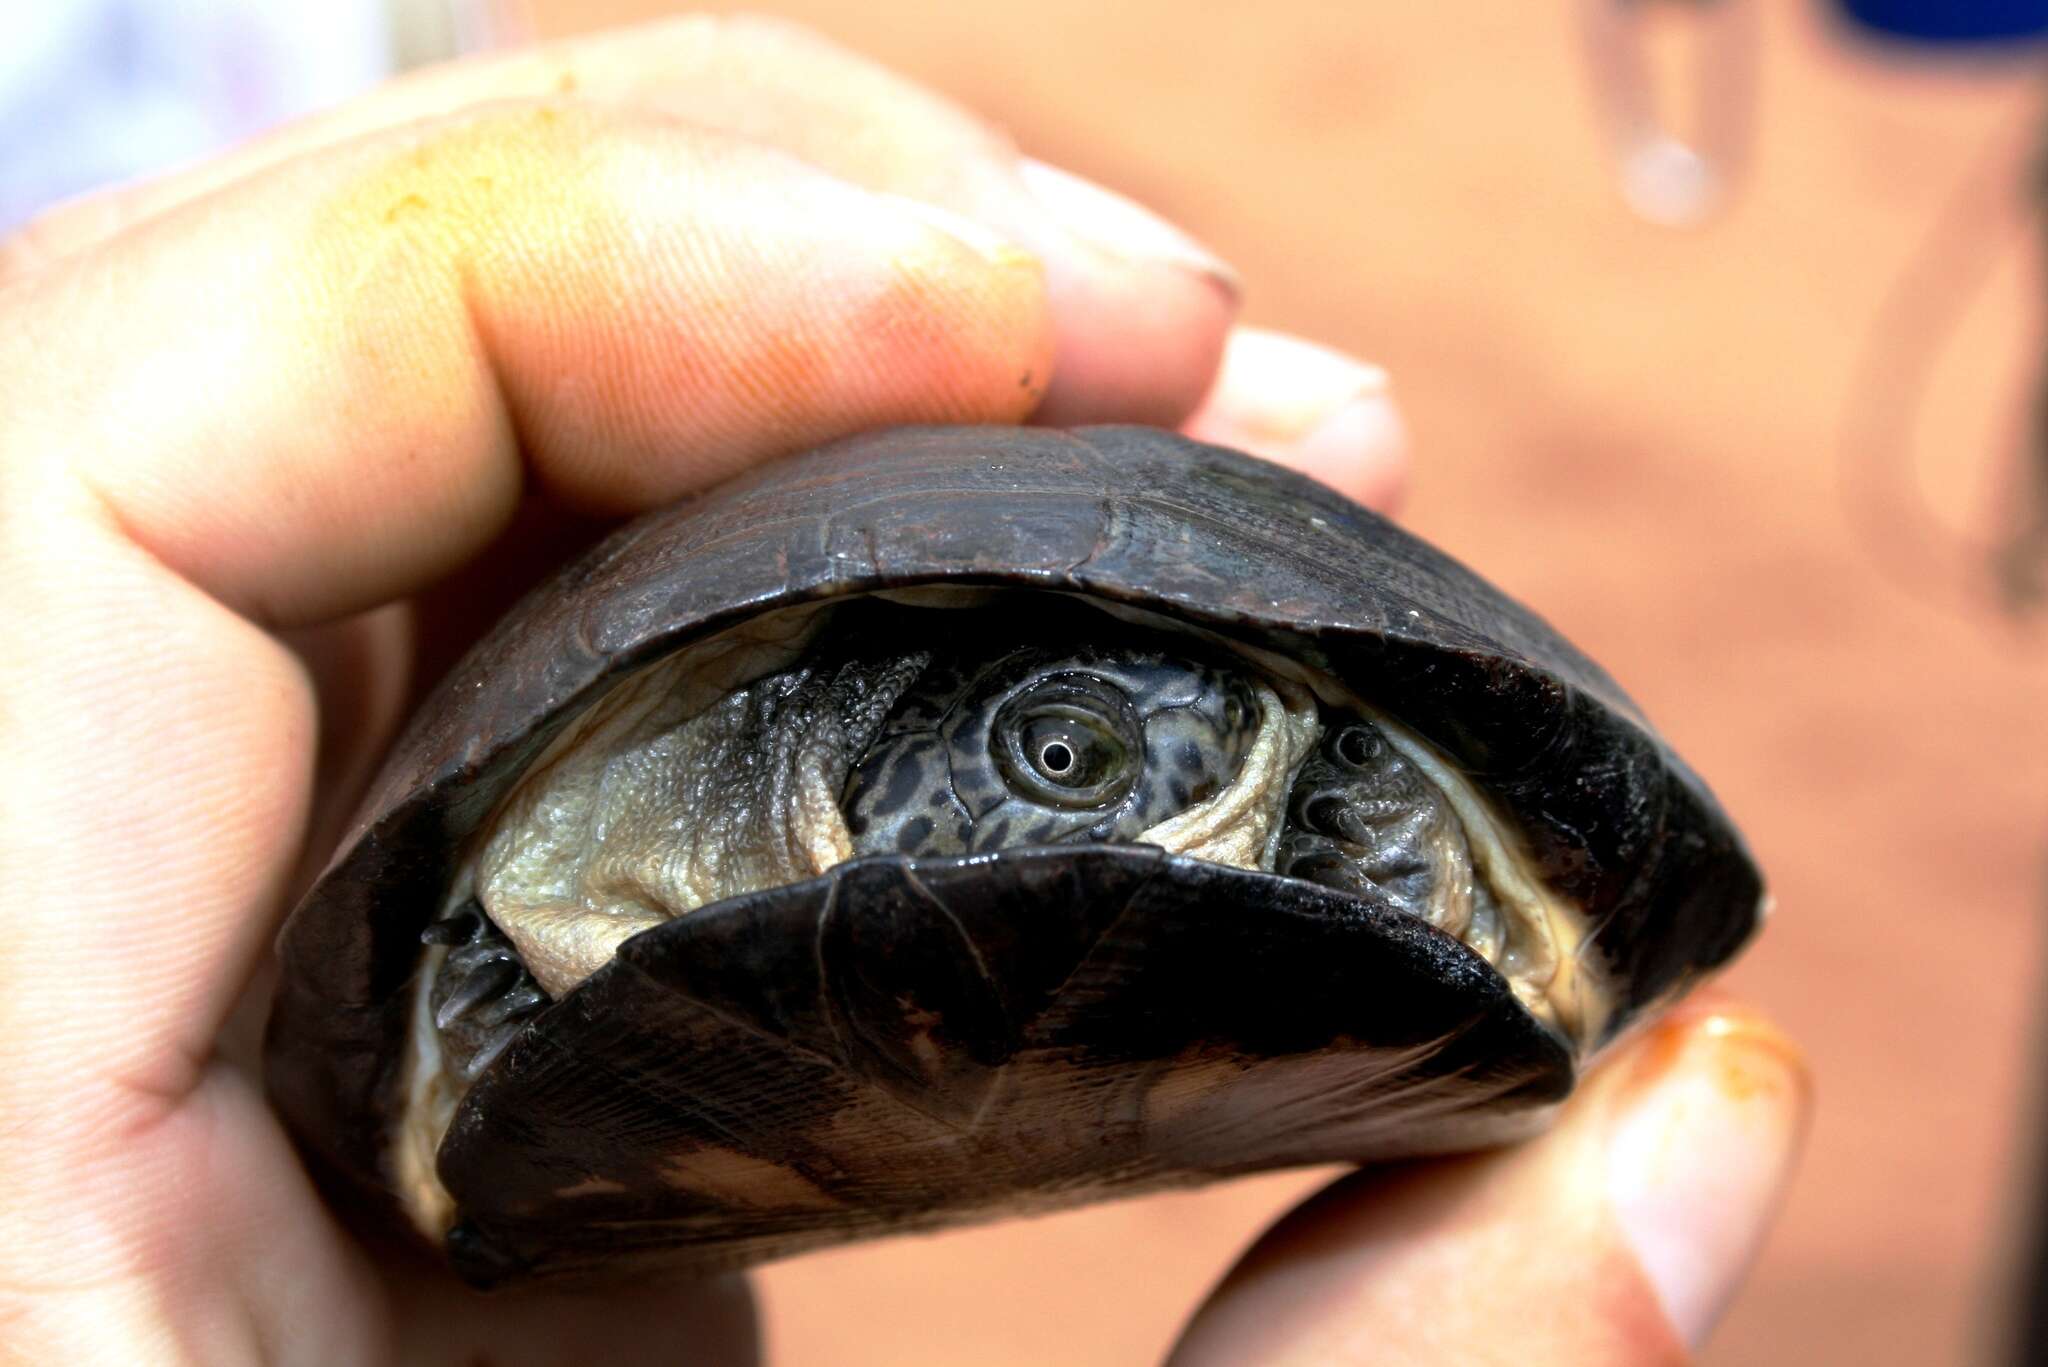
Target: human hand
x=1615 y=1240
x=279 y=436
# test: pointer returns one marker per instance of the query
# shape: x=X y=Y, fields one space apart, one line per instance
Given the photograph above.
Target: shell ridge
x=913 y=878
x=827 y=906
x=873 y=1065
x=1088 y=956
x=622 y=961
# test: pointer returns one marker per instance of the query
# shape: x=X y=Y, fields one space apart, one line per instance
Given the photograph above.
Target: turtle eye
x=1069 y=741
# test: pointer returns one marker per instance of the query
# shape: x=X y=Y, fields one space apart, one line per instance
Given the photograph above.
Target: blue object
x=1952 y=23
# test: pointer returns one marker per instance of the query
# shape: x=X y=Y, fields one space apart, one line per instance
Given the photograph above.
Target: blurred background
x=1750 y=413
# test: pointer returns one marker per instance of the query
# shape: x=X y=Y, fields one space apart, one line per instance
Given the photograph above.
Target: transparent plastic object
x=1678 y=131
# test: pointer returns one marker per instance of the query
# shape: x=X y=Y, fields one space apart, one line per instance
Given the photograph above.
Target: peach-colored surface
x=1638 y=432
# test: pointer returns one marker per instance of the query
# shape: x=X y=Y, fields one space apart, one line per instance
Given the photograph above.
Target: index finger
x=320 y=389
x=1139 y=310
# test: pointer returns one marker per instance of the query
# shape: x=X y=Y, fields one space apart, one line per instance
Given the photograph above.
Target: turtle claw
x=488 y=1054
x=486 y=980
x=455 y=929
x=482 y=995
x=515 y=1003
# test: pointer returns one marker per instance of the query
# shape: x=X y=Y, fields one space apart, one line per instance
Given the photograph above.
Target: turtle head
x=1049 y=740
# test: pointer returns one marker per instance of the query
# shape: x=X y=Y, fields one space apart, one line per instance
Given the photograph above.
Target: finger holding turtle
x=1141 y=311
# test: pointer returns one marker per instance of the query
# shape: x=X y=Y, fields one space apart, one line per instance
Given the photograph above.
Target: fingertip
x=1005 y=345
x=805 y=308
x=1360 y=449
x=1619 y=1236
x=1142 y=310
x=1140 y=345
x=1313 y=409
x=1708 y=1123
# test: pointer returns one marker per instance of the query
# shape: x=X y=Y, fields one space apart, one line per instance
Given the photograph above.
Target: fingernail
x=1290 y=388
x=1122 y=227
x=1320 y=411
x=971 y=233
x=1361 y=447
x=1705 y=1138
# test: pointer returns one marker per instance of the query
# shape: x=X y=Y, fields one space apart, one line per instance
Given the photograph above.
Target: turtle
x=954 y=823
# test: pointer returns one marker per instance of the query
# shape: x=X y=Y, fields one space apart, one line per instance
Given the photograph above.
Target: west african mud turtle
x=958 y=822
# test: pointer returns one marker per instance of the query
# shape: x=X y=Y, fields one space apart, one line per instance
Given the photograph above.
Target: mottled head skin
x=1065 y=726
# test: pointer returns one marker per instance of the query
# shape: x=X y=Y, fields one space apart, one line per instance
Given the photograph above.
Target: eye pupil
x=1070 y=749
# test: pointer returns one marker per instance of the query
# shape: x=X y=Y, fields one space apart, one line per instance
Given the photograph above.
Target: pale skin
x=279 y=435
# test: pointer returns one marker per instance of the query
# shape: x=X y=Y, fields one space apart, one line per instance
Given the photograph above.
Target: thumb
x=1617 y=1238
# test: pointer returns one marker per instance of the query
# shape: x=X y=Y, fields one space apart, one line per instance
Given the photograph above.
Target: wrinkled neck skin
x=947 y=722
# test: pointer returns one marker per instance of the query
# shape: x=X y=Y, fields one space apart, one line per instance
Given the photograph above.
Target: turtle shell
x=902 y=1043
